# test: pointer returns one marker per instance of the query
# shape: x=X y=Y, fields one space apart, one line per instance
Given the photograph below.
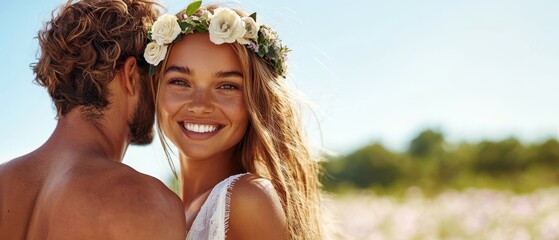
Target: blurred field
x=467 y=214
x=436 y=189
x=504 y=189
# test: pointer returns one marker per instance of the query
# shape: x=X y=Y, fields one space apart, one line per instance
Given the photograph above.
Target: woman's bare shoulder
x=256 y=211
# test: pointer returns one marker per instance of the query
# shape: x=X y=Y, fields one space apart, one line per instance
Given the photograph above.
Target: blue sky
x=375 y=70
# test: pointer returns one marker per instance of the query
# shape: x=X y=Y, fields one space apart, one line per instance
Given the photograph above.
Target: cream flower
x=251 y=30
x=166 y=29
x=226 y=26
x=206 y=14
x=154 y=53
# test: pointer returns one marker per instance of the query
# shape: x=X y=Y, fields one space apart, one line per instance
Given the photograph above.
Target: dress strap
x=228 y=193
x=213 y=219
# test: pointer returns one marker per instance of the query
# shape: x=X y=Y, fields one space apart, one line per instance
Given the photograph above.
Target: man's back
x=75 y=186
x=50 y=195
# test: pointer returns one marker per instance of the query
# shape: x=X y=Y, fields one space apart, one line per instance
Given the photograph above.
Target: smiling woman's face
x=200 y=98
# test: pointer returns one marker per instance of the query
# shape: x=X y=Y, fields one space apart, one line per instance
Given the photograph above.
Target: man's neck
x=75 y=134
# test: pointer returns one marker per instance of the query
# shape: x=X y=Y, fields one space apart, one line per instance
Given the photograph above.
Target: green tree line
x=433 y=164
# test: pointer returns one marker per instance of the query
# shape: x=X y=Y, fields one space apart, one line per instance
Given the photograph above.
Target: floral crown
x=224 y=26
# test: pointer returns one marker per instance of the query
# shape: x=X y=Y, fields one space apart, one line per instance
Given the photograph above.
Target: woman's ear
x=131 y=76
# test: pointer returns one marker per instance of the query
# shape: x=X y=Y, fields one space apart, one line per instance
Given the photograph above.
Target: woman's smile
x=200 y=128
x=197 y=131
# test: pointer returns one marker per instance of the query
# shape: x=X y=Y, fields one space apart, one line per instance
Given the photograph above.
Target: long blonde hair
x=274 y=145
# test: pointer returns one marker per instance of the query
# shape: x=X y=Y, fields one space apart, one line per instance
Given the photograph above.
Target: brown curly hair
x=85 y=45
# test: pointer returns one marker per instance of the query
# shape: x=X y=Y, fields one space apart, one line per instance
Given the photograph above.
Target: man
x=75 y=186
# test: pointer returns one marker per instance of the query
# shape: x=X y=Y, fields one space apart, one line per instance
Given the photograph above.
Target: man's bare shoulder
x=16 y=164
x=24 y=170
x=93 y=198
x=130 y=205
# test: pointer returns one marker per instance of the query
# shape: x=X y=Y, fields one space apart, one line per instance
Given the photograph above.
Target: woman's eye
x=178 y=82
x=229 y=86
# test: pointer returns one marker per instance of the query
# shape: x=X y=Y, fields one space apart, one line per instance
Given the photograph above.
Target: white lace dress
x=211 y=222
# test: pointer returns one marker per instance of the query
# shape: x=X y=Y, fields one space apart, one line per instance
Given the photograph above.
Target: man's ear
x=130 y=76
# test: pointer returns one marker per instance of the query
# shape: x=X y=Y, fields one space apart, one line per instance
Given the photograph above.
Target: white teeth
x=199 y=128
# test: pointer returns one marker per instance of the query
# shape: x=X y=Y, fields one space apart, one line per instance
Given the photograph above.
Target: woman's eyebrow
x=188 y=71
x=224 y=74
x=179 y=69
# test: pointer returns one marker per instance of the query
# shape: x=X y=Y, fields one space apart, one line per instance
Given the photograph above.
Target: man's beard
x=141 y=126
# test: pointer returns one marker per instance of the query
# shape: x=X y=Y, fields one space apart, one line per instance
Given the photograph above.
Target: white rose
x=226 y=26
x=251 y=30
x=166 y=29
x=154 y=53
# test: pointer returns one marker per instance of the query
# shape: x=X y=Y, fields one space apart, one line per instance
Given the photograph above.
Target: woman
x=222 y=100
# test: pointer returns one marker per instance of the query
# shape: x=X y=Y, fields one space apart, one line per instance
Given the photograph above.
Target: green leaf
x=201 y=29
x=184 y=25
x=253 y=16
x=149 y=35
x=193 y=7
x=261 y=51
x=179 y=37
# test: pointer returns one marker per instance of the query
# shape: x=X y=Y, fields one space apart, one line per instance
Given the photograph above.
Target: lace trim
x=212 y=222
x=228 y=200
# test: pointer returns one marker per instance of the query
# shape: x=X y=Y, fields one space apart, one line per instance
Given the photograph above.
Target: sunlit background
x=439 y=118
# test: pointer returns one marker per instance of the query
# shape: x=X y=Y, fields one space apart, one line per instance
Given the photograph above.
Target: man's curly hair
x=85 y=45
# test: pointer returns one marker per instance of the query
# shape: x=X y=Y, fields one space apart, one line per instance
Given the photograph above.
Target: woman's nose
x=200 y=102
